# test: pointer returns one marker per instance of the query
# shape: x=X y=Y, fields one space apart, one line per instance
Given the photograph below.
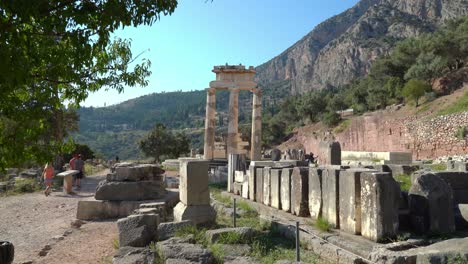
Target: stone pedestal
x=330 y=196
x=67 y=180
x=286 y=189
x=194 y=202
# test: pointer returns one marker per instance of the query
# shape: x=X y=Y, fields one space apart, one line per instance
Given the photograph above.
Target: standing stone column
x=233 y=129
x=255 y=152
x=210 y=124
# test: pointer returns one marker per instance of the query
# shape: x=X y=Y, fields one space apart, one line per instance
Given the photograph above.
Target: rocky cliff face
x=344 y=46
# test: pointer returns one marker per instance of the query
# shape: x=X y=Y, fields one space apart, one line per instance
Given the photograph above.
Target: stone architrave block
x=267 y=186
x=129 y=191
x=285 y=192
x=300 y=191
x=350 y=200
x=259 y=185
x=380 y=197
x=431 y=205
x=330 y=196
x=315 y=192
x=275 y=190
x=138 y=230
x=329 y=153
x=193 y=188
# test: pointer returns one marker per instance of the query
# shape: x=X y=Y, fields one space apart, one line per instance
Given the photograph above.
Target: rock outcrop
x=344 y=46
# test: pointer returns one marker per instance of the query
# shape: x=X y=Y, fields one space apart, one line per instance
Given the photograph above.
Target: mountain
x=344 y=46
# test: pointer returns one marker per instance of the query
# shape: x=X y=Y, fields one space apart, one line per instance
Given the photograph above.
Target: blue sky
x=184 y=47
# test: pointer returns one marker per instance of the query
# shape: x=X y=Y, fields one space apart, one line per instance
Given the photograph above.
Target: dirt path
x=33 y=222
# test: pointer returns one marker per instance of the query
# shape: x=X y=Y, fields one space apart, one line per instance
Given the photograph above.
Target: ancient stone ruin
x=123 y=191
x=233 y=79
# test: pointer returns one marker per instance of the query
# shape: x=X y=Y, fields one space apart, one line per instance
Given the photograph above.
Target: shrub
x=331 y=119
x=405 y=181
x=322 y=224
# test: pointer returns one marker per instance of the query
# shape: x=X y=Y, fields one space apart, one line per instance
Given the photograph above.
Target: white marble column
x=256 y=141
x=210 y=124
x=233 y=127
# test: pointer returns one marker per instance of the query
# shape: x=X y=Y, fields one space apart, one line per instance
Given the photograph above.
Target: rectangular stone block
x=315 y=192
x=275 y=178
x=239 y=176
x=329 y=153
x=252 y=182
x=380 y=195
x=237 y=188
x=461 y=166
x=330 y=196
x=245 y=189
x=193 y=186
x=259 y=185
x=300 y=191
x=285 y=192
x=100 y=210
x=350 y=200
x=266 y=186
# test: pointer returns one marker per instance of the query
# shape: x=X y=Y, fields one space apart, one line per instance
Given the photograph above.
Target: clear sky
x=184 y=47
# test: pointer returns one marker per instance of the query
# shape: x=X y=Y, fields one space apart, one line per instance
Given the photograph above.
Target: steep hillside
x=344 y=46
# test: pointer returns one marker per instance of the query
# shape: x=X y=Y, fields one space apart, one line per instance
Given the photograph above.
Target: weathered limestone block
x=329 y=153
x=461 y=166
x=457 y=180
x=237 y=188
x=245 y=233
x=167 y=230
x=178 y=250
x=126 y=255
x=239 y=176
x=129 y=191
x=431 y=205
x=253 y=172
x=245 y=189
x=267 y=186
x=197 y=214
x=315 y=192
x=380 y=196
x=350 y=200
x=275 y=178
x=138 y=230
x=300 y=191
x=330 y=196
x=259 y=185
x=236 y=162
x=285 y=192
x=193 y=188
x=142 y=172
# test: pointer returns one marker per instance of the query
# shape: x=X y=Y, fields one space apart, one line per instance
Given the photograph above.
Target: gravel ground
x=40 y=227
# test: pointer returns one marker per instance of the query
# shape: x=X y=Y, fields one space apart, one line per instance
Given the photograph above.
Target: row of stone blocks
x=358 y=201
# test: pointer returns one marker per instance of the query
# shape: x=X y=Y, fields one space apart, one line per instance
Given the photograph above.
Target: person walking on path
x=72 y=167
x=48 y=175
x=79 y=166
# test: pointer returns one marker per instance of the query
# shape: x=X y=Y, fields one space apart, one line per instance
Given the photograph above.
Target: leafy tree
x=161 y=142
x=55 y=53
x=331 y=119
x=415 y=89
